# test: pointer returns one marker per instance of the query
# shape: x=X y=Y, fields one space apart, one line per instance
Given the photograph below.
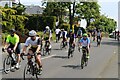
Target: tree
x=105 y=23
x=88 y=11
x=20 y=8
x=11 y=20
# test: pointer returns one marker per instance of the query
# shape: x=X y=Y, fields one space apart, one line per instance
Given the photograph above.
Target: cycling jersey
x=13 y=40
x=79 y=33
x=64 y=34
x=47 y=34
x=98 y=33
x=85 y=42
x=72 y=37
x=34 y=43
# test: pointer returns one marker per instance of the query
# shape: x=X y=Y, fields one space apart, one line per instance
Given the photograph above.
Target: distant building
x=33 y=9
x=9 y=2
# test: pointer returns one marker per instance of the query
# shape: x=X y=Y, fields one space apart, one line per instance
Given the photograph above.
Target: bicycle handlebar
x=23 y=54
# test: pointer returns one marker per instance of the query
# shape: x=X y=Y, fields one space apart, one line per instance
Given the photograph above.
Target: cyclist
x=47 y=35
x=35 y=43
x=93 y=34
x=57 y=31
x=12 y=42
x=71 y=36
x=79 y=34
x=99 y=35
x=64 y=36
x=85 y=43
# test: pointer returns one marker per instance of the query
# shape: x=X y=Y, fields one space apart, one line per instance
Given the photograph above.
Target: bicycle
x=31 y=69
x=70 y=50
x=98 y=41
x=9 y=60
x=46 y=48
x=84 y=59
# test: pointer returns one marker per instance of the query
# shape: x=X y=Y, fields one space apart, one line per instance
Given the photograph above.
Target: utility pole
x=71 y=16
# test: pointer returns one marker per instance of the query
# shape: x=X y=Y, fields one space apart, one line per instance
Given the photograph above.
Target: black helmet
x=12 y=31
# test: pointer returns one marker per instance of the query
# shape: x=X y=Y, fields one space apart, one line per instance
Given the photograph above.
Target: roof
x=34 y=9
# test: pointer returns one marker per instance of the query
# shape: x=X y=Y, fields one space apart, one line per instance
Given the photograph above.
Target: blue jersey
x=85 y=42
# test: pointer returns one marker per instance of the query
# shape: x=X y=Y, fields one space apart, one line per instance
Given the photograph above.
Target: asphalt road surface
x=103 y=63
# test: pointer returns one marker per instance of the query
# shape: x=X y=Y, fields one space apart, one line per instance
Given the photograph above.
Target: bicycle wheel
x=36 y=72
x=27 y=72
x=7 y=64
x=44 y=51
x=83 y=60
x=49 y=51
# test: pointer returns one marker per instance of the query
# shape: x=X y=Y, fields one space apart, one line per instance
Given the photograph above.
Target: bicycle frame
x=33 y=65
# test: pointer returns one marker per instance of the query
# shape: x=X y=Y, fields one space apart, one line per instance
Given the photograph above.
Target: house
x=9 y=2
x=33 y=9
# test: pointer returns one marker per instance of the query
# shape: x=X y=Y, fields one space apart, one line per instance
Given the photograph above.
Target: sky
x=108 y=7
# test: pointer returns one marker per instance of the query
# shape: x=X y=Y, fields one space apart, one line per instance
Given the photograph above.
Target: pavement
x=103 y=62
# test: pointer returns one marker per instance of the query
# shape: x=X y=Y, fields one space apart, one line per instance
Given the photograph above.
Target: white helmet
x=47 y=27
x=32 y=33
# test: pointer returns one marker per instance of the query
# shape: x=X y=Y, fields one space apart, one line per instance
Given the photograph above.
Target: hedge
x=39 y=23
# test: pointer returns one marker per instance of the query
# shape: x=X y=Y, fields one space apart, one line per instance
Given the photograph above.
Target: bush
x=4 y=35
x=39 y=23
x=105 y=34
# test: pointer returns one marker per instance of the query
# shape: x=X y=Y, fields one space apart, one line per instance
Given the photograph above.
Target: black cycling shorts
x=17 y=49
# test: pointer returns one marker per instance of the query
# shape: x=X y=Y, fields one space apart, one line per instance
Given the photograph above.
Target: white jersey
x=57 y=31
x=31 y=42
x=65 y=34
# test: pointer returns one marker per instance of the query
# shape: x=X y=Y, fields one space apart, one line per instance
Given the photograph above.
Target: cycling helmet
x=12 y=31
x=85 y=35
x=47 y=27
x=32 y=33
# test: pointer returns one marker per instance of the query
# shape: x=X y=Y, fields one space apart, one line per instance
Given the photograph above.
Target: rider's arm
x=25 y=45
x=16 y=44
x=80 y=42
x=24 y=49
x=88 y=43
x=38 y=48
x=50 y=35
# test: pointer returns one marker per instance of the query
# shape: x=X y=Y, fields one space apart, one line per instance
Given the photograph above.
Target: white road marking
x=48 y=57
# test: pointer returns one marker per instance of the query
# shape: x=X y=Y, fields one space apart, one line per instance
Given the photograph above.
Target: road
x=103 y=63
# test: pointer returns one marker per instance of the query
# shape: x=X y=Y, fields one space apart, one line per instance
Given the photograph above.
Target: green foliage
x=65 y=26
x=88 y=10
x=91 y=28
x=105 y=23
x=11 y=20
x=20 y=8
x=39 y=23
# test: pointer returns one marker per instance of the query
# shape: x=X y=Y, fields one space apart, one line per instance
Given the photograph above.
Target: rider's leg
x=18 y=55
x=39 y=60
x=29 y=57
x=87 y=53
